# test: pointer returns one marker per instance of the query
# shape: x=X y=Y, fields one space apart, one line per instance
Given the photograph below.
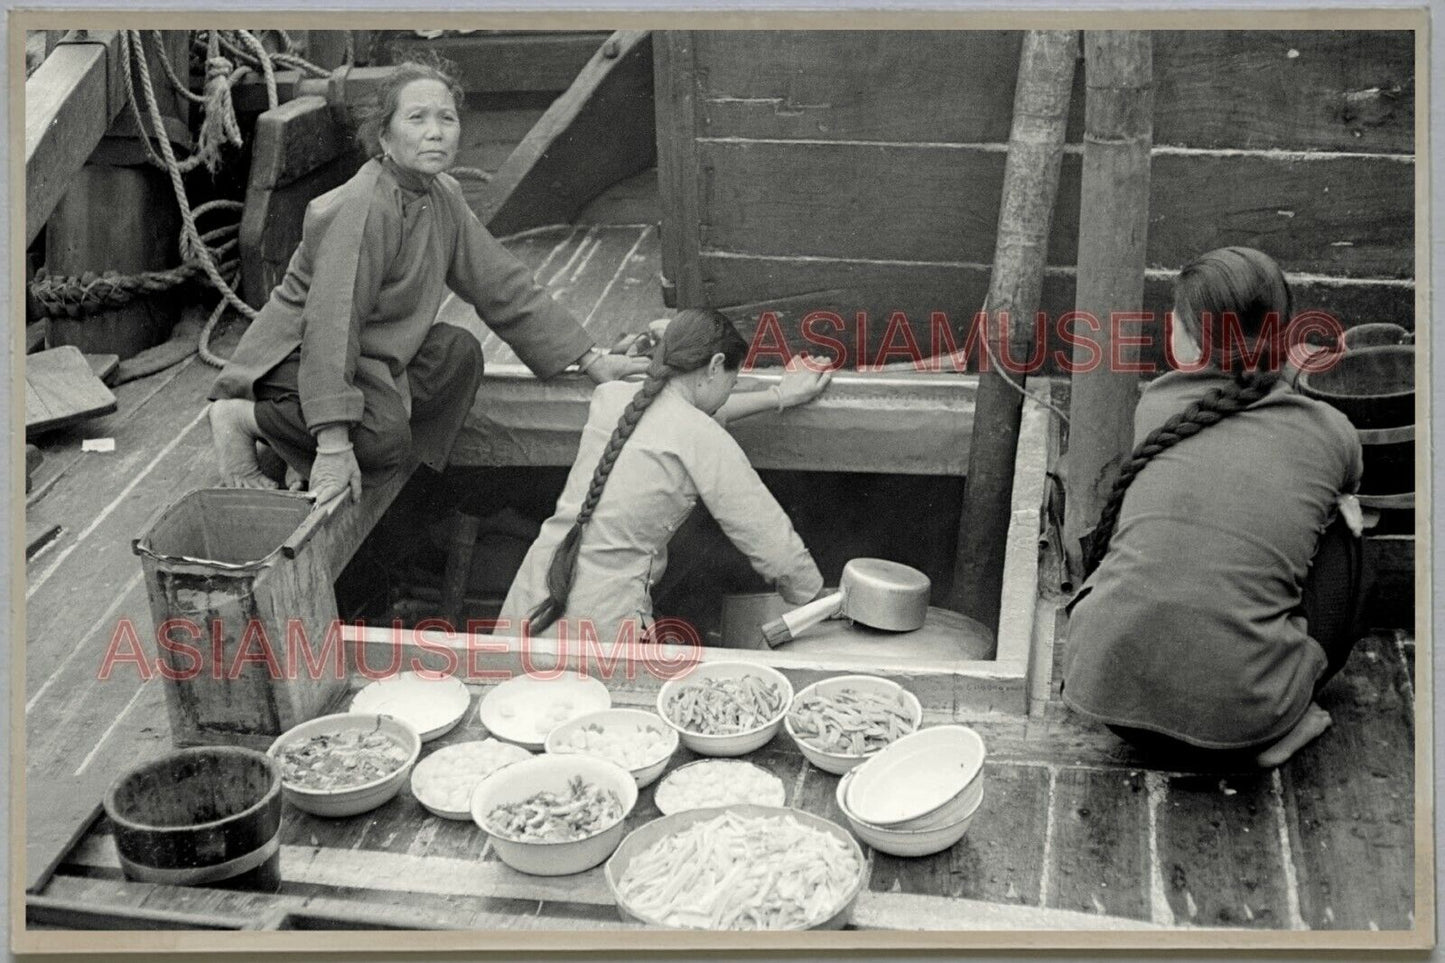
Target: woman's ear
x=1182 y=345
x=717 y=365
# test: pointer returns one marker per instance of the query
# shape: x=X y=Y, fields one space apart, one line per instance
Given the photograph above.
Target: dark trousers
x=443 y=379
x=1332 y=605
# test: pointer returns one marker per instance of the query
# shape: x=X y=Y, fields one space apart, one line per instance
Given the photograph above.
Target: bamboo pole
x=1113 y=230
x=1031 y=180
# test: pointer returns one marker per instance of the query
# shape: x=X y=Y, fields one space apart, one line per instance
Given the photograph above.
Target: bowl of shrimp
x=726 y=708
x=555 y=815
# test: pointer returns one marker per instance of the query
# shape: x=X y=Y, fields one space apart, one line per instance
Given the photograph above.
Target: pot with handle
x=874 y=591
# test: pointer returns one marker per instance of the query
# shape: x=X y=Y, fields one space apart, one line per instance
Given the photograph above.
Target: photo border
x=512 y=942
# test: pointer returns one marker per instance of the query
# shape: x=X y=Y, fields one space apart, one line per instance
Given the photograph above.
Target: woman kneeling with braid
x=1229 y=582
x=657 y=449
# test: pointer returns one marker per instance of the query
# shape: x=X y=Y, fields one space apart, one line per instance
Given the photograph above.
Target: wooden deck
x=1073 y=833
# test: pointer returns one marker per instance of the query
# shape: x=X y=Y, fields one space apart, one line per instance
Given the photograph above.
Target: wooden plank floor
x=1071 y=828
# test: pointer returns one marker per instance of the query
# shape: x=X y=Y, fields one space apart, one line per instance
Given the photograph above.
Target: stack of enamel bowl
x=917 y=796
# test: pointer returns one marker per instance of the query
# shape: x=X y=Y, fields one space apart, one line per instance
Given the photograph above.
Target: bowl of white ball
x=637 y=740
x=718 y=782
x=443 y=782
x=524 y=710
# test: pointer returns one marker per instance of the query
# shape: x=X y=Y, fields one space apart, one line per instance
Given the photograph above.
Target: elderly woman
x=345 y=369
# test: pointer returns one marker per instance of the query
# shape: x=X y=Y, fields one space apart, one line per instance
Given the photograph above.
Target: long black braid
x=690 y=341
x=1217 y=405
x=1233 y=284
x=564 y=562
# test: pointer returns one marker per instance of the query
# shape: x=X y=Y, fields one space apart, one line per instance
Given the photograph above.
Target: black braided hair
x=689 y=342
x=1217 y=405
x=1233 y=284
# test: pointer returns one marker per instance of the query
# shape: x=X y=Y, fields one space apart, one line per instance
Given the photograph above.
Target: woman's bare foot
x=1310 y=727
x=234 y=434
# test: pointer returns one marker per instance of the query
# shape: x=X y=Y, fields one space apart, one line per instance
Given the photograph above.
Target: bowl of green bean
x=841 y=721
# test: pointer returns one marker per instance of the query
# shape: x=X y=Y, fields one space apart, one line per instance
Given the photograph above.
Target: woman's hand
x=611 y=367
x=335 y=470
x=800 y=383
x=1349 y=509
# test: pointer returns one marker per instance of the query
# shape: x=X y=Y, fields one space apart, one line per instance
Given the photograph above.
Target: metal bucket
x=238 y=594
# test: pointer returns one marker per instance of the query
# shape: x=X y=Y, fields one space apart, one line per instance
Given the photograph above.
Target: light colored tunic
x=377 y=256
x=676 y=455
x=1191 y=625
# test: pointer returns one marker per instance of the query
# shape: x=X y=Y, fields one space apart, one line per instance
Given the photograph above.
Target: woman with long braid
x=1225 y=571
x=648 y=454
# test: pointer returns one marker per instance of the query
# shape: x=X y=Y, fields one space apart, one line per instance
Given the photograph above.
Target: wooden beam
x=70 y=102
x=327 y=48
x=678 y=174
x=510 y=62
x=1031 y=179
x=525 y=63
x=298 y=151
x=854 y=426
x=794 y=285
x=248 y=95
x=1113 y=233
x=600 y=131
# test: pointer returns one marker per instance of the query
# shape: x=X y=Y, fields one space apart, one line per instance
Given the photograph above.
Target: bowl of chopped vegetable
x=555 y=815
x=839 y=722
x=726 y=708
x=741 y=867
x=635 y=739
x=344 y=764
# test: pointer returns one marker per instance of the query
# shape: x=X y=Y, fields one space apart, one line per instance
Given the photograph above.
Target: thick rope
x=88 y=293
x=297 y=62
x=181 y=88
x=268 y=70
x=219 y=126
x=57 y=296
x=210 y=254
x=259 y=62
x=191 y=241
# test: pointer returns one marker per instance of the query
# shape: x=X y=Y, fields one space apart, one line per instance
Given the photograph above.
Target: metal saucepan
x=874 y=591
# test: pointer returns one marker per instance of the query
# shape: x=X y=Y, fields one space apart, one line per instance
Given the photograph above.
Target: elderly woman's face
x=423 y=132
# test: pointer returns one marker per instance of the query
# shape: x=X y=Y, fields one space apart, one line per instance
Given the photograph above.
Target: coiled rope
x=200 y=253
x=259 y=59
x=194 y=249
